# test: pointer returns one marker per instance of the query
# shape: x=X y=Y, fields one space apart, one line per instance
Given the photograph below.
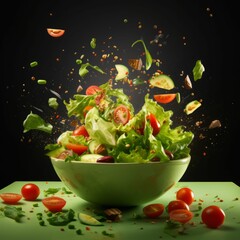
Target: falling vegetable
x=83 y=69
x=147 y=53
x=93 y=43
x=52 y=102
x=35 y=122
x=198 y=70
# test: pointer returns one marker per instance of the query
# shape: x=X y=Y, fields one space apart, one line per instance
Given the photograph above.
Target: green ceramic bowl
x=120 y=184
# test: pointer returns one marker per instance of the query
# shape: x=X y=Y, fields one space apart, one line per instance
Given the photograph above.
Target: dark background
x=191 y=30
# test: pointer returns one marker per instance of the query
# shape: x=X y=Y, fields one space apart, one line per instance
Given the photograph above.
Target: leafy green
x=83 y=69
x=198 y=70
x=62 y=218
x=13 y=212
x=93 y=43
x=148 y=62
x=35 y=122
x=52 y=102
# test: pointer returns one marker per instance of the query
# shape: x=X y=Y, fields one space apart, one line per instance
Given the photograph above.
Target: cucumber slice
x=192 y=106
x=90 y=158
x=122 y=72
x=162 y=81
x=89 y=220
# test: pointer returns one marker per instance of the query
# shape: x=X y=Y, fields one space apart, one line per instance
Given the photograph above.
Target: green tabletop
x=133 y=224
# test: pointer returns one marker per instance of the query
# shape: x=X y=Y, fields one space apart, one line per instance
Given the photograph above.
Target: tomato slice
x=93 y=89
x=176 y=204
x=181 y=215
x=54 y=203
x=81 y=130
x=10 y=198
x=185 y=194
x=154 y=123
x=153 y=210
x=30 y=191
x=121 y=114
x=213 y=216
x=164 y=98
x=77 y=148
x=53 y=32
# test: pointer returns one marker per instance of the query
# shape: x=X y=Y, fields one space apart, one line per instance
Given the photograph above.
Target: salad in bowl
x=109 y=130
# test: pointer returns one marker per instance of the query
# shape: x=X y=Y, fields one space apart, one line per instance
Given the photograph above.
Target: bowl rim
x=185 y=159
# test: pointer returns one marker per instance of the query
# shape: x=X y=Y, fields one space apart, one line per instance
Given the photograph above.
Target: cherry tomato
x=121 y=114
x=181 y=215
x=53 y=32
x=30 y=191
x=176 y=204
x=81 y=130
x=10 y=198
x=154 y=123
x=77 y=148
x=185 y=194
x=165 y=98
x=54 y=203
x=153 y=210
x=86 y=109
x=213 y=216
x=93 y=89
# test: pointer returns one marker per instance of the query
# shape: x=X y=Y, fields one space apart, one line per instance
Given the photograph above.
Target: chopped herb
x=93 y=43
x=79 y=61
x=13 y=212
x=105 y=233
x=70 y=226
x=62 y=218
x=65 y=190
x=35 y=204
x=79 y=232
x=41 y=223
x=51 y=191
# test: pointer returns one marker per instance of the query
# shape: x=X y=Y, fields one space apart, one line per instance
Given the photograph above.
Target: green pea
x=33 y=64
x=42 y=81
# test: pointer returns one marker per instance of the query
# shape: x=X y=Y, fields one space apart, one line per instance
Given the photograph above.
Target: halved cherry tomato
x=86 y=109
x=93 y=89
x=81 y=130
x=77 y=148
x=154 y=123
x=164 y=98
x=153 y=210
x=30 y=191
x=10 y=198
x=185 y=194
x=213 y=216
x=176 y=204
x=181 y=215
x=53 y=32
x=54 y=203
x=121 y=114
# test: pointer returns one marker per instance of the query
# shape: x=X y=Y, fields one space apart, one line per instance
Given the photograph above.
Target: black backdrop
x=185 y=30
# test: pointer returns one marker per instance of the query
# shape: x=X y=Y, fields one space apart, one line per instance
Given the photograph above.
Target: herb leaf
x=61 y=218
x=14 y=213
x=148 y=62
